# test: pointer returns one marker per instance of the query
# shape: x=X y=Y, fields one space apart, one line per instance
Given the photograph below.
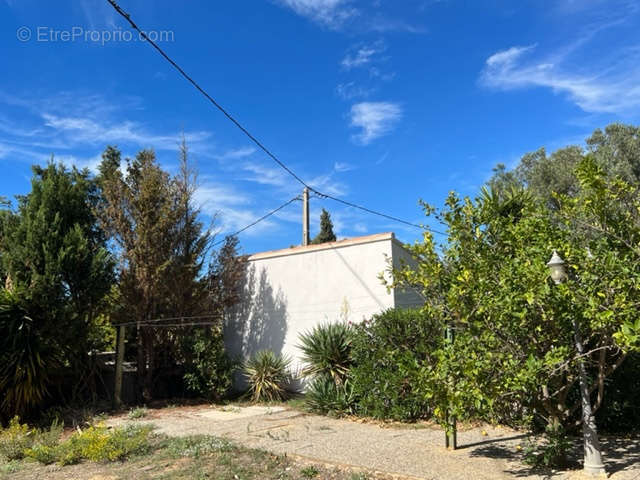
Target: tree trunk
x=592 y=455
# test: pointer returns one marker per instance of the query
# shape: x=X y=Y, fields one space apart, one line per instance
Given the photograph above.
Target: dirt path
x=406 y=451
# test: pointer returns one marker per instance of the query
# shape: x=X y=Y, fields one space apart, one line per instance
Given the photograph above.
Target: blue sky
x=380 y=103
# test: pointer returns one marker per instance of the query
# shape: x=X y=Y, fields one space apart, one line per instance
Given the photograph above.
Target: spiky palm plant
x=267 y=374
x=325 y=397
x=326 y=351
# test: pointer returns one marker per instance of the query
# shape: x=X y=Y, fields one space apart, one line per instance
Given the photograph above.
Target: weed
x=552 y=452
x=10 y=467
x=358 y=476
x=309 y=472
x=137 y=413
x=197 y=446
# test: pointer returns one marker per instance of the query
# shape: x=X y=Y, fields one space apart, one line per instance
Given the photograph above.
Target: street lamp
x=558 y=268
x=592 y=456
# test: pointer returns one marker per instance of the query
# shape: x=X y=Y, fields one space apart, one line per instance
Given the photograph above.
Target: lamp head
x=558 y=268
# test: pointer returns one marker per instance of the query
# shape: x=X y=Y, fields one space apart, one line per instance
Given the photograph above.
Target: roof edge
x=347 y=242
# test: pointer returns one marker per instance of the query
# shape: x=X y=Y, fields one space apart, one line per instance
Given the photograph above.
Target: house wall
x=290 y=291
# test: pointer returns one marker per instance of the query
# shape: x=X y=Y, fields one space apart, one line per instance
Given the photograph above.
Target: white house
x=289 y=291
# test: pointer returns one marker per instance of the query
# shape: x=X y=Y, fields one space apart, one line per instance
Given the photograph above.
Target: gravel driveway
x=406 y=451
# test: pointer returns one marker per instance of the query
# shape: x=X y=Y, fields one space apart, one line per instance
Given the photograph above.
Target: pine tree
x=326 y=229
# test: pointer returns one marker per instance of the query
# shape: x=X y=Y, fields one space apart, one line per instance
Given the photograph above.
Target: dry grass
x=190 y=458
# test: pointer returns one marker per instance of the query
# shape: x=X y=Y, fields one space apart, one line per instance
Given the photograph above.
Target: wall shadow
x=259 y=321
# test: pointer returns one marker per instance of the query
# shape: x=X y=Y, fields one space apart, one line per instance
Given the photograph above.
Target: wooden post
x=451 y=435
x=117 y=389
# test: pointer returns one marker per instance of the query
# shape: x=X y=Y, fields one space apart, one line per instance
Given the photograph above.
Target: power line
x=365 y=209
x=164 y=319
x=264 y=217
x=127 y=17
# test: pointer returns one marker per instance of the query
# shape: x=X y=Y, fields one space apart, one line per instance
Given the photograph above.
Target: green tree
x=521 y=340
x=326 y=229
x=58 y=271
x=141 y=211
x=616 y=150
x=163 y=248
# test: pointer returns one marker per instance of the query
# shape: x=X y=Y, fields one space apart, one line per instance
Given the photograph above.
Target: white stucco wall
x=289 y=291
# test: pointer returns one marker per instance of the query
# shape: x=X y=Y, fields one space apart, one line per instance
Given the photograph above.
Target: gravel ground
x=407 y=451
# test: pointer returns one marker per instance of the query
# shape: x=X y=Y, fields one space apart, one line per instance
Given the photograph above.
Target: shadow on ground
x=620 y=454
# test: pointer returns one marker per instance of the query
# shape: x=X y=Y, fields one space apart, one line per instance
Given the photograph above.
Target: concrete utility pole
x=305 y=216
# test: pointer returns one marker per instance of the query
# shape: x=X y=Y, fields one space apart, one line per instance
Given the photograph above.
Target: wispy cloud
x=266 y=175
x=343 y=167
x=350 y=90
x=363 y=54
x=329 y=13
x=65 y=122
x=83 y=130
x=236 y=153
x=375 y=119
x=606 y=84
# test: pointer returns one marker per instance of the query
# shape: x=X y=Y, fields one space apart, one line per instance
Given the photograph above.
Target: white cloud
x=343 y=167
x=85 y=130
x=236 y=153
x=349 y=91
x=375 y=119
x=603 y=85
x=267 y=175
x=329 y=13
x=363 y=55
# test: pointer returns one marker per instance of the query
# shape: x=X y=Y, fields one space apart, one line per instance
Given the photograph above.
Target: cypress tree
x=326 y=229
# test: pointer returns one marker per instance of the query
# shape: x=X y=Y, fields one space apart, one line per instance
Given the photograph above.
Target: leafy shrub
x=15 y=439
x=98 y=444
x=268 y=375
x=197 y=446
x=209 y=369
x=389 y=353
x=42 y=453
x=326 y=350
x=19 y=441
x=324 y=396
x=552 y=452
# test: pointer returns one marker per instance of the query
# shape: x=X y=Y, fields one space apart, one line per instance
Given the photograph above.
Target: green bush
x=389 y=353
x=99 y=444
x=15 y=439
x=552 y=452
x=326 y=351
x=209 y=369
x=324 y=396
x=267 y=374
x=18 y=441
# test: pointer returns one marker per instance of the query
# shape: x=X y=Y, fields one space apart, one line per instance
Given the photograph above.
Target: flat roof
x=347 y=242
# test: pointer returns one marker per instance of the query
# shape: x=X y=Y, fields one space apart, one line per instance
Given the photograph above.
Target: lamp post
x=592 y=456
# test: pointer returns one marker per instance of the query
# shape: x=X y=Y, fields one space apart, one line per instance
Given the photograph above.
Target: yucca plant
x=326 y=351
x=267 y=374
x=325 y=397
